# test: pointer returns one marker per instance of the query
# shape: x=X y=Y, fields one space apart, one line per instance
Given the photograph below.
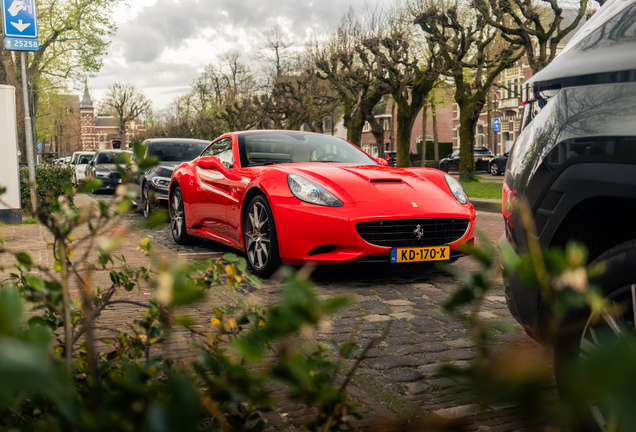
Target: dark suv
x=574 y=164
x=482 y=157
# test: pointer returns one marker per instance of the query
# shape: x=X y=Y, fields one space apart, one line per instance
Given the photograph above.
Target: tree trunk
x=424 y=116
x=393 y=126
x=435 y=133
x=405 y=122
x=378 y=133
x=354 y=126
x=466 y=139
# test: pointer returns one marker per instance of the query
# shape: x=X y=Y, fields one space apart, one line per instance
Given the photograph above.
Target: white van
x=79 y=162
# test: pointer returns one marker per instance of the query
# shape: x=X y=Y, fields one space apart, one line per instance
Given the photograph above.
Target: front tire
x=177 y=220
x=619 y=286
x=146 y=204
x=444 y=167
x=259 y=236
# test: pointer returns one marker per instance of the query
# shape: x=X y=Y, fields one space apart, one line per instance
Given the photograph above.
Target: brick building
x=505 y=104
x=99 y=132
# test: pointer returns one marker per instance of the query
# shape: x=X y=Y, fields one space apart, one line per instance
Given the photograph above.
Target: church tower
x=87 y=115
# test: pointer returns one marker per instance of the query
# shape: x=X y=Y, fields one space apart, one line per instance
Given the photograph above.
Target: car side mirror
x=382 y=162
x=449 y=156
x=92 y=163
x=213 y=162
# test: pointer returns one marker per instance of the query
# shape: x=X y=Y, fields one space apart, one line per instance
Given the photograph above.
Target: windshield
x=111 y=158
x=84 y=159
x=267 y=148
x=177 y=152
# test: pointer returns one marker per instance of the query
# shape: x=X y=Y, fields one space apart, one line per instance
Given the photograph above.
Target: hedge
x=49 y=180
x=445 y=148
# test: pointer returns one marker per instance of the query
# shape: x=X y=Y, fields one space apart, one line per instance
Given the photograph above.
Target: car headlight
x=162 y=182
x=310 y=192
x=102 y=173
x=456 y=189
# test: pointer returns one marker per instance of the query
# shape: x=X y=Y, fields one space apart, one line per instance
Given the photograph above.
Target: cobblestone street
x=399 y=376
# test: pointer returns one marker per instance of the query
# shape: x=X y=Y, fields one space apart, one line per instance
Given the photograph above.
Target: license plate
x=118 y=180
x=485 y=158
x=415 y=254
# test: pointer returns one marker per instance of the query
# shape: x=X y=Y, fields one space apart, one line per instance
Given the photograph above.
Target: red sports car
x=297 y=197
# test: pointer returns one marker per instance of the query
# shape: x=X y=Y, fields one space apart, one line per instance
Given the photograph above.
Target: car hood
x=106 y=167
x=364 y=183
x=164 y=169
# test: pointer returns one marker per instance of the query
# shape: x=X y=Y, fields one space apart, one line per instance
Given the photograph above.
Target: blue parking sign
x=496 y=125
x=19 y=19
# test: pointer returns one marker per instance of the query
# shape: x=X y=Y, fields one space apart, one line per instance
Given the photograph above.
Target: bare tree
x=125 y=102
x=275 y=50
x=410 y=67
x=464 y=40
x=343 y=63
x=538 y=26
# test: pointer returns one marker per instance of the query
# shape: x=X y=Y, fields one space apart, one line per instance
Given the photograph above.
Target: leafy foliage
x=58 y=375
x=51 y=181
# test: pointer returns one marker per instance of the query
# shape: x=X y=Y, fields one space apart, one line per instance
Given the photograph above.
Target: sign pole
x=27 y=131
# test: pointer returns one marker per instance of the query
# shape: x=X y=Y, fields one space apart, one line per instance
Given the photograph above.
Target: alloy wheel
x=605 y=329
x=176 y=215
x=494 y=169
x=257 y=235
x=146 y=201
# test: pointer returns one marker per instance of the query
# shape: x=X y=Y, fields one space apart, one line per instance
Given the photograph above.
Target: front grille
x=402 y=232
x=113 y=179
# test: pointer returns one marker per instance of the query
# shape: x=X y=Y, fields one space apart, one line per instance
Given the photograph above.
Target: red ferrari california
x=297 y=197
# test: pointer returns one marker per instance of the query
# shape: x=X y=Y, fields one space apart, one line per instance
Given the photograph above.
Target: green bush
x=430 y=164
x=49 y=180
x=445 y=148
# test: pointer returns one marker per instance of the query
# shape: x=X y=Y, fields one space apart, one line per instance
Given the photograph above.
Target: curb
x=486 y=205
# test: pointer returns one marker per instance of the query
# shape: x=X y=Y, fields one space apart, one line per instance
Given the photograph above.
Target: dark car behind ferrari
x=497 y=165
x=104 y=167
x=574 y=167
x=481 y=154
x=151 y=186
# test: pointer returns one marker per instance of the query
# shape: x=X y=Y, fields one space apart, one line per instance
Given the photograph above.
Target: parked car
x=154 y=182
x=79 y=162
x=497 y=165
x=574 y=164
x=298 y=197
x=391 y=157
x=482 y=156
x=103 y=166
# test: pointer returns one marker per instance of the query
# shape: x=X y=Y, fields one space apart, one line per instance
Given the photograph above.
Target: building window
x=387 y=124
x=374 y=151
x=326 y=126
x=480 y=135
x=366 y=127
x=366 y=148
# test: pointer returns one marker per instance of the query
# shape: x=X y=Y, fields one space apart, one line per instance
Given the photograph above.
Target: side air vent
x=322 y=250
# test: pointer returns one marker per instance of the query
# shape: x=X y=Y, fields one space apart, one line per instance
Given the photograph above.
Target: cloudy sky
x=161 y=46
